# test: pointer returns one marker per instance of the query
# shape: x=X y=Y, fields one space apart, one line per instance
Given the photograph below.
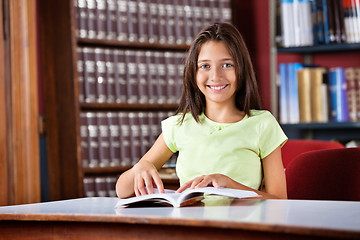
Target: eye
x=227 y=65
x=204 y=66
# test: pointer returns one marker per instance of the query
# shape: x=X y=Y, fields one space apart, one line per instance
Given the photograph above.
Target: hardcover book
x=172 y=199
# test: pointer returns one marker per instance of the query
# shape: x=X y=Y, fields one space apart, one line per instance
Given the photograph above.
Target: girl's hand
x=146 y=177
x=215 y=180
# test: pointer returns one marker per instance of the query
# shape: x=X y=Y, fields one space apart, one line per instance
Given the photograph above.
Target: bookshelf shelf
x=86 y=75
x=328 y=56
x=105 y=170
x=116 y=107
x=328 y=125
x=132 y=45
x=329 y=48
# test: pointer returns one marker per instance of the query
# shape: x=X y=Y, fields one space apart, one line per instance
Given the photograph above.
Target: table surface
x=340 y=217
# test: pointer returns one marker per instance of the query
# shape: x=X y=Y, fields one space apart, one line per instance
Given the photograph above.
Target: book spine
x=93 y=140
x=338 y=98
x=91 y=8
x=318 y=95
x=135 y=137
x=161 y=14
x=103 y=140
x=80 y=70
x=122 y=20
x=179 y=23
x=195 y=14
x=151 y=76
x=304 y=89
x=225 y=6
x=120 y=76
x=283 y=93
x=133 y=21
x=131 y=77
x=287 y=23
x=293 y=92
x=170 y=77
x=143 y=21
x=101 y=19
x=125 y=139
x=144 y=132
x=82 y=18
x=188 y=23
x=84 y=140
x=355 y=4
x=351 y=93
x=111 y=19
x=114 y=139
x=326 y=22
x=89 y=187
x=110 y=186
x=170 y=8
x=100 y=72
x=179 y=62
x=142 y=77
x=110 y=76
x=89 y=75
x=161 y=77
x=357 y=92
x=100 y=186
x=153 y=21
x=206 y=13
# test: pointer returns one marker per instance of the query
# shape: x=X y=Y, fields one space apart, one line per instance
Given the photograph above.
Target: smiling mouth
x=217 y=87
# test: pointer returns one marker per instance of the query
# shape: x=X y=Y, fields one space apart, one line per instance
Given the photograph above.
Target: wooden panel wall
x=19 y=124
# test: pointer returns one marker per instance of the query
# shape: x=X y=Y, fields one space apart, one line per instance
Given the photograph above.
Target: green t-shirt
x=232 y=149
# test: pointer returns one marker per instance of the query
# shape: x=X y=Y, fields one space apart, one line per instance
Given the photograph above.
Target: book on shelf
x=313 y=22
x=337 y=94
x=129 y=76
x=114 y=139
x=313 y=95
x=152 y=21
x=172 y=199
x=304 y=88
x=100 y=186
x=322 y=94
x=319 y=95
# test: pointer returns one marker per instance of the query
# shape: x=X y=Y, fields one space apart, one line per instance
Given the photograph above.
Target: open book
x=171 y=198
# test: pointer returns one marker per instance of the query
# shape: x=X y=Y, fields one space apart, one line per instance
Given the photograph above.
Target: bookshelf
x=79 y=112
x=345 y=54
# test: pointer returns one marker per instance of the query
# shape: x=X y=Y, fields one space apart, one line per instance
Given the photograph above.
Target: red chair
x=332 y=174
x=293 y=148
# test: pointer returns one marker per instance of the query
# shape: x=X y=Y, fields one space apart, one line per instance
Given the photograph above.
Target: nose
x=215 y=74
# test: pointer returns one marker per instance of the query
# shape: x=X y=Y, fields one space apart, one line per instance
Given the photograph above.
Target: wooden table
x=96 y=218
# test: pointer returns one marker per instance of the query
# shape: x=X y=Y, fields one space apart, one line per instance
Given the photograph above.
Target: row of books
x=129 y=76
x=100 y=186
x=313 y=22
x=316 y=94
x=115 y=139
x=153 y=21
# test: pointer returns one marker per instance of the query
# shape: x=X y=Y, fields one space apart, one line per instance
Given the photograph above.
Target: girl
x=223 y=139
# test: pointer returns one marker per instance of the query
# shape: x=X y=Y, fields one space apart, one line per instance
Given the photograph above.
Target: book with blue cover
x=338 y=95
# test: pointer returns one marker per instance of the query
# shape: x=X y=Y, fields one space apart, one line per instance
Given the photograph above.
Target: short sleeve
x=168 y=127
x=271 y=135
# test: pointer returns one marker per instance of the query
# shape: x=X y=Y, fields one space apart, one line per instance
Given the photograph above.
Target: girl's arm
x=274 y=177
x=143 y=177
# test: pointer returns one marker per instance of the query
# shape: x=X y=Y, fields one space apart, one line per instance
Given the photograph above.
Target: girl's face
x=216 y=76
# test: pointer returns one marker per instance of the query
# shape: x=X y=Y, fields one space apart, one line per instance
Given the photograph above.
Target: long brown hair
x=247 y=95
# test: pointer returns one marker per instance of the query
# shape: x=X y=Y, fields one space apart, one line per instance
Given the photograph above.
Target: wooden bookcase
x=328 y=56
x=58 y=44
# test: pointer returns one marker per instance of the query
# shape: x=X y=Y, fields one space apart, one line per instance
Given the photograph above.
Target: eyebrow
x=223 y=59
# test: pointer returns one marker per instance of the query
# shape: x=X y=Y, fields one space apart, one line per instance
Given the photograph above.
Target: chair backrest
x=293 y=148
x=332 y=174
